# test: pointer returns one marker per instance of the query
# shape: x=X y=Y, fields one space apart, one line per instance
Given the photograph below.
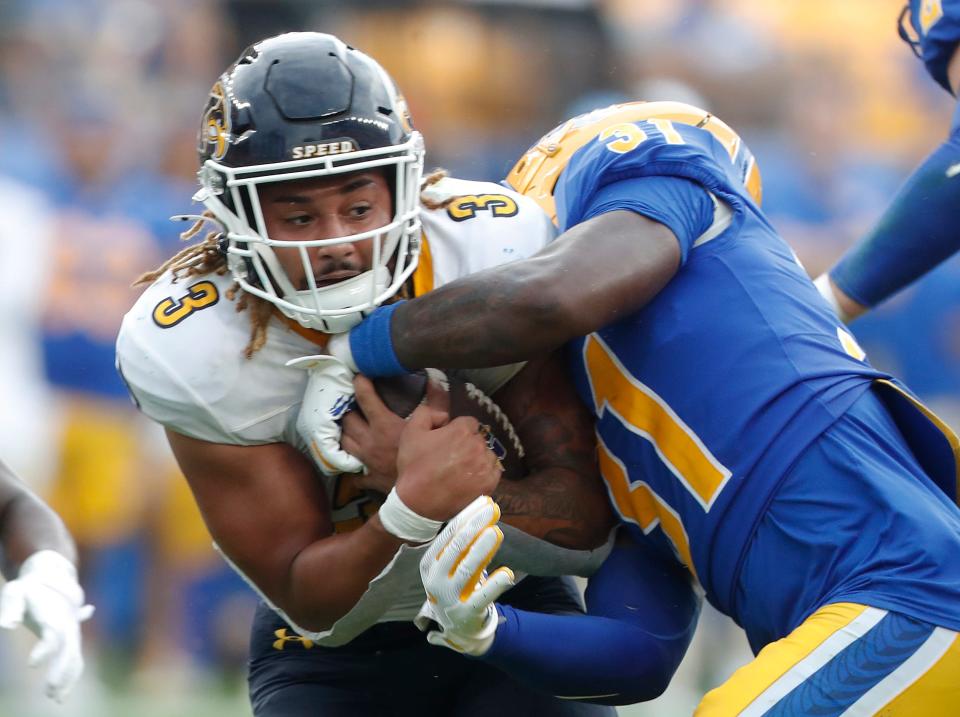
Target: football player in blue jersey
x=918 y=230
x=751 y=451
x=39 y=559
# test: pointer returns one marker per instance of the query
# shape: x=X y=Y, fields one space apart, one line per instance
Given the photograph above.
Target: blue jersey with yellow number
x=706 y=396
x=937 y=26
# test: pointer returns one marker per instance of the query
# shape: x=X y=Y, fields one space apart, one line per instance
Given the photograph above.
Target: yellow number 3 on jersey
x=499 y=205
x=170 y=311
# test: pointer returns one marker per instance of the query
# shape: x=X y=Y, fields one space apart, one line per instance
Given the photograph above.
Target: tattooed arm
x=530 y=307
x=562 y=500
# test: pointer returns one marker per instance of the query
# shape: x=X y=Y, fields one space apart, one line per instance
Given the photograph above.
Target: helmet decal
x=215 y=128
x=322 y=149
x=403 y=113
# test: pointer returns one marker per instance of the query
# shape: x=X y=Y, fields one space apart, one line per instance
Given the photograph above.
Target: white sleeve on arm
x=533 y=556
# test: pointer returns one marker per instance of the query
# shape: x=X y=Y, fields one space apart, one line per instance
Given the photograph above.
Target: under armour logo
x=283 y=638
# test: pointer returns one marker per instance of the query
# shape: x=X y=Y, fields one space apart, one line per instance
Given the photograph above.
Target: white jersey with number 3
x=180 y=348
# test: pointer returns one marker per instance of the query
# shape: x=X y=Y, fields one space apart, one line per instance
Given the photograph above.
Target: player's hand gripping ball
x=402 y=394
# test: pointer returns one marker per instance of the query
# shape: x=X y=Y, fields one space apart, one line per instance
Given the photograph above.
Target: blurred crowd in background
x=100 y=102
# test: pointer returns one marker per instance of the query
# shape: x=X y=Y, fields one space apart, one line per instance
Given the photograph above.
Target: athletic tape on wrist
x=400 y=521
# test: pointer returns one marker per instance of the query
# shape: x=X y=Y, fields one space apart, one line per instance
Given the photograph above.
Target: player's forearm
x=642 y=612
x=27 y=526
x=594 y=274
x=585 y=657
x=491 y=318
x=915 y=234
x=328 y=577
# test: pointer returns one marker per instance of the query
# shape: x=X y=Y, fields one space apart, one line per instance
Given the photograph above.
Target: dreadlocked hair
x=197 y=260
x=426 y=200
x=260 y=312
x=207 y=257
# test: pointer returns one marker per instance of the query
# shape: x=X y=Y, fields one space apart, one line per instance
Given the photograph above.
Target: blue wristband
x=372 y=345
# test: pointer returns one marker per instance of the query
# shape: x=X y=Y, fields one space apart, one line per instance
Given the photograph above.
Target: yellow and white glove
x=460 y=594
x=328 y=397
x=47 y=597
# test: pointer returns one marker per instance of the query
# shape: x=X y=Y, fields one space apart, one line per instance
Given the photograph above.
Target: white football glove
x=339 y=347
x=460 y=594
x=47 y=597
x=328 y=397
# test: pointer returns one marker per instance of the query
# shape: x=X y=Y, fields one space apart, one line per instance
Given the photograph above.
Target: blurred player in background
x=38 y=559
x=918 y=230
x=746 y=443
x=24 y=274
x=312 y=173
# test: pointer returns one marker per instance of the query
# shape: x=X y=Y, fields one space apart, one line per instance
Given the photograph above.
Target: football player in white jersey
x=311 y=175
x=39 y=559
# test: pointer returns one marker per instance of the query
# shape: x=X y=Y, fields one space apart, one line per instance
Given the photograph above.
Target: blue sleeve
x=918 y=231
x=938 y=29
x=641 y=614
x=685 y=207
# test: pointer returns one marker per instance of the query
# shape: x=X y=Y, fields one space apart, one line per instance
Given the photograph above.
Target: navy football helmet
x=297 y=106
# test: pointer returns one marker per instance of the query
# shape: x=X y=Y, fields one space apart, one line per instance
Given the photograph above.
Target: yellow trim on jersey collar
x=312 y=335
x=423 y=274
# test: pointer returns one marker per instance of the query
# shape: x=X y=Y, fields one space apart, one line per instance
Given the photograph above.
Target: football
x=402 y=394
